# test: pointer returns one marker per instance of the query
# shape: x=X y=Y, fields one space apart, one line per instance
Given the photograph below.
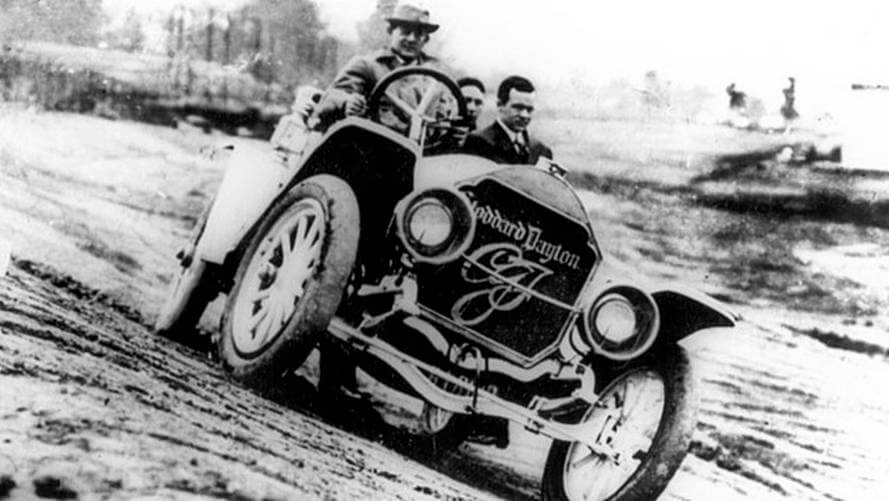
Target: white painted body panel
x=254 y=177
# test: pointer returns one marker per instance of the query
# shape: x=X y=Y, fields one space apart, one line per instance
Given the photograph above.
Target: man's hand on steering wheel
x=428 y=114
x=458 y=134
x=355 y=105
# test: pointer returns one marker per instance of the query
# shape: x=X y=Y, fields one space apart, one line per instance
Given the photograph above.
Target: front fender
x=253 y=178
x=684 y=312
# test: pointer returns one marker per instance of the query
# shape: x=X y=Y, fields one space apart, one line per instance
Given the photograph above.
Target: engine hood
x=537 y=183
x=516 y=289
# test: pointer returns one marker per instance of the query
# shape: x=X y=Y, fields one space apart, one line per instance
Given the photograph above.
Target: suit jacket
x=359 y=76
x=493 y=143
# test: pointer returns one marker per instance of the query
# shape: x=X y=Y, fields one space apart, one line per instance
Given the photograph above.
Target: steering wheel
x=420 y=102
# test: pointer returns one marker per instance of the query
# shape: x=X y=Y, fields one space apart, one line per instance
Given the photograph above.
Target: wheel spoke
x=257 y=318
x=430 y=94
x=313 y=233
x=584 y=483
x=297 y=231
x=286 y=247
x=289 y=307
x=303 y=255
x=295 y=272
x=585 y=460
x=277 y=316
x=632 y=396
x=261 y=295
x=620 y=397
x=299 y=263
x=261 y=333
x=400 y=103
x=300 y=244
x=607 y=481
x=295 y=287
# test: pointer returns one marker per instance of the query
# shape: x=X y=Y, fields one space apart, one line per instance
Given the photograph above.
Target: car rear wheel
x=646 y=416
x=290 y=280
x=191 y=290
x=190 y=293
x=444 y=430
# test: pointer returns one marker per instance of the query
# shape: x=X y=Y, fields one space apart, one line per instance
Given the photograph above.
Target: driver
x=409 y=30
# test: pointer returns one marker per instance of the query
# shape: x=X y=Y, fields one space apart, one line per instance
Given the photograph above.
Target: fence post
x=226 y=56
x=211 y=14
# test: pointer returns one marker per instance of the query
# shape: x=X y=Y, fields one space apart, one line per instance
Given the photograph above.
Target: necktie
x=520 y=148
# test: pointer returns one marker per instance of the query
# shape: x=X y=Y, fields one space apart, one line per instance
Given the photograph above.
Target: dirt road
x=92 y=405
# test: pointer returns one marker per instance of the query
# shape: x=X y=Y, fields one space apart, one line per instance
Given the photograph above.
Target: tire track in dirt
x=88 y=386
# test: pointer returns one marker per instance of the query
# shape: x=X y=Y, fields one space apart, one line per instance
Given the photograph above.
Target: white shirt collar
x=513 y=136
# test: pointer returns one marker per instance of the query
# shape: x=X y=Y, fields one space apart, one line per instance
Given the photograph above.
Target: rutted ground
x=787 y=398
x=95 y=209
x=93 y=405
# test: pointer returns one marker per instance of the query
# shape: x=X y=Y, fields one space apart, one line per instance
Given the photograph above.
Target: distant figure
x=737 y=100
x=654 y=94
x=788 y=110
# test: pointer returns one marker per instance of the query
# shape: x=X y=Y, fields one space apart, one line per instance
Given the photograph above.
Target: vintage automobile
x=479 y=288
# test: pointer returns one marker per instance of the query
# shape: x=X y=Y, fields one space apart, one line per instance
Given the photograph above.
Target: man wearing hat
x=409 y=30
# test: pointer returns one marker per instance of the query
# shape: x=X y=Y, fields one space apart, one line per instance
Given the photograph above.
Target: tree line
x=281 y=41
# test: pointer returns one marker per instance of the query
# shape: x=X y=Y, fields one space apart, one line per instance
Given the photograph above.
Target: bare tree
x=75 y=22
x=130 y=36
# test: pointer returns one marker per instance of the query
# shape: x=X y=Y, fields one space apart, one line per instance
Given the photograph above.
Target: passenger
x=473 y=91
x=507 y=140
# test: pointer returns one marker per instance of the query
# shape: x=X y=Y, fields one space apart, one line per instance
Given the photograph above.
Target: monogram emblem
x=506 y=261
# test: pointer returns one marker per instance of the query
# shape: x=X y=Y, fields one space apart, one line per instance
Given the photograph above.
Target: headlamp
x=621 y=323
x=435 y=225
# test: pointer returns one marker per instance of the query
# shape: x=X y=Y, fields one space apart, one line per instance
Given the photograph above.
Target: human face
x=407 y=40
x=474 y=101
x=517 y=110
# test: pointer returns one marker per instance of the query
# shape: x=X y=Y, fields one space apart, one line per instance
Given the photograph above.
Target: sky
x=755 y=43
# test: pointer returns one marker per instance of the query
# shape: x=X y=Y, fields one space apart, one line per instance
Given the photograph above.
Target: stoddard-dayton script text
x=529 y=236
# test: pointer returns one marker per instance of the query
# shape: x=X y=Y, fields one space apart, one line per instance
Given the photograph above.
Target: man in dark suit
x=507 y=140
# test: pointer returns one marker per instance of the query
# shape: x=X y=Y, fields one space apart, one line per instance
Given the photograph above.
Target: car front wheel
x=645 y=417
x=290 y=280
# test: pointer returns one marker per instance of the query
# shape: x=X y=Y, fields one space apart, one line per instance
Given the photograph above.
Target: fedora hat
x=412 y=15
